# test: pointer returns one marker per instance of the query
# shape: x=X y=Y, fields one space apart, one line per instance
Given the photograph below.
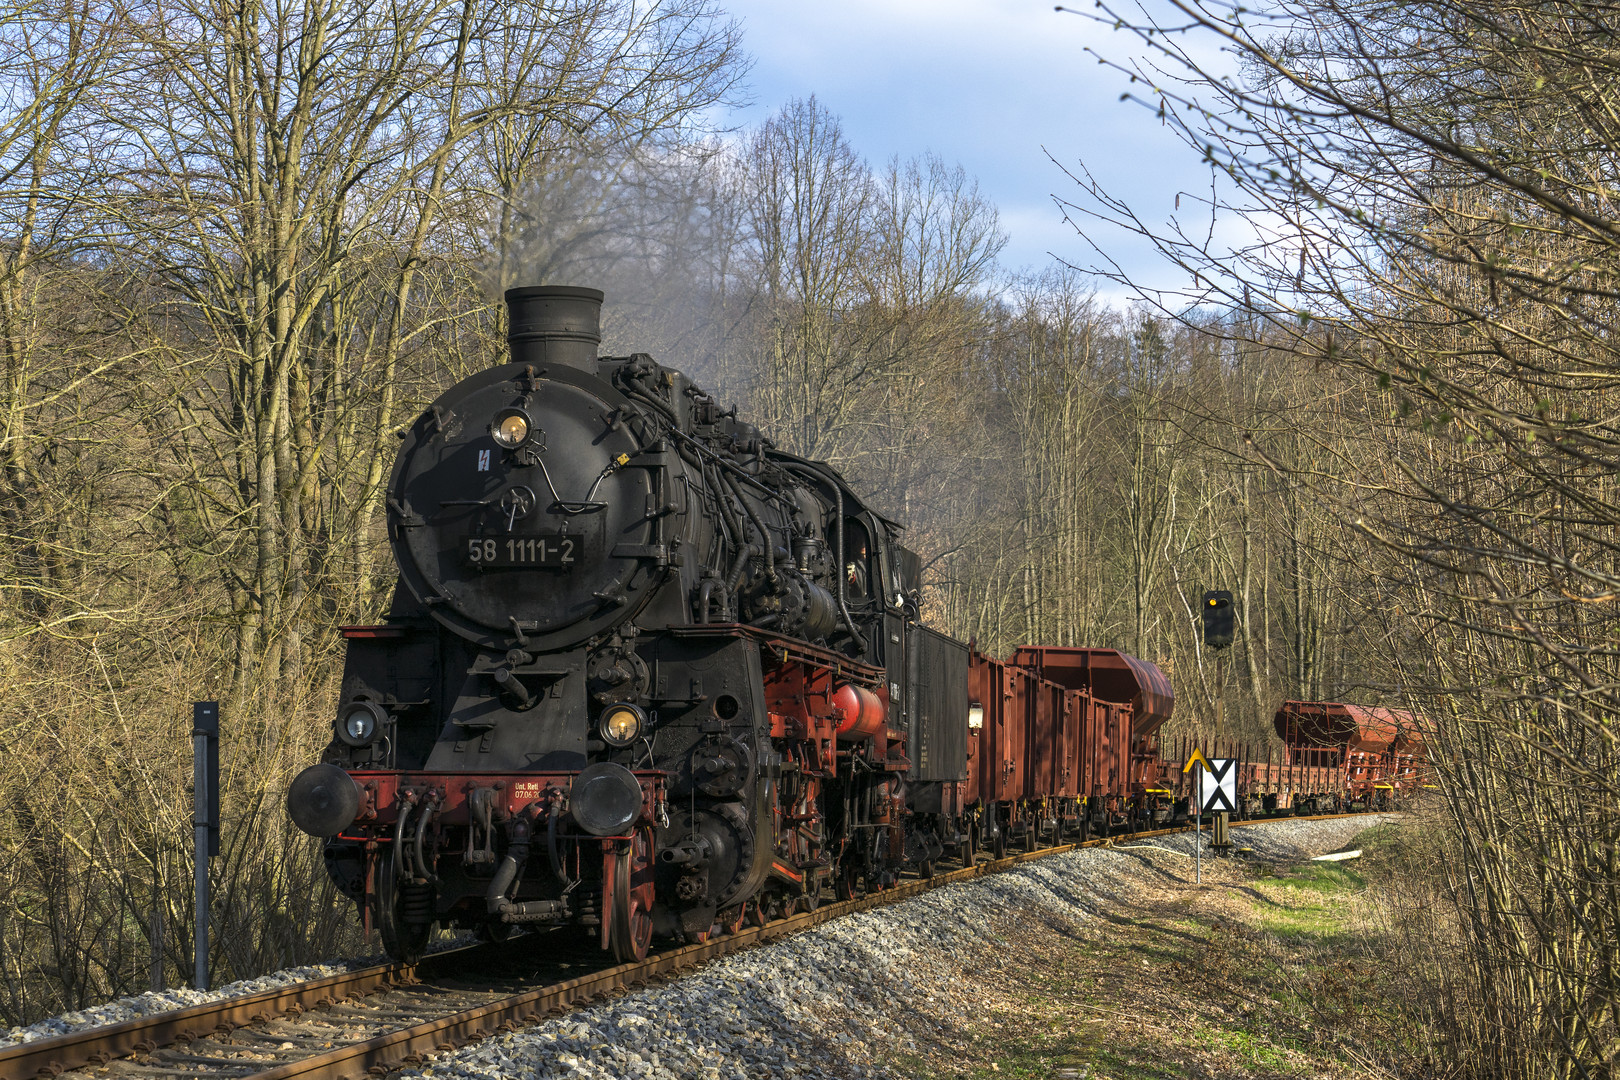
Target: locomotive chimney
x=554 y=325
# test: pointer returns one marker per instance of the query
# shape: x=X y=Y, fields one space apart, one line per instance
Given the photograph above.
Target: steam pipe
x=402 y=856
x=709 y=455
x=739 y=568
x=511 y=868
x=723 y=533
x=739 y=534
x=768 y=548
x=553 y=812
x=421 y=834
x=838 y=494
x=706 y=597
x=843 y=605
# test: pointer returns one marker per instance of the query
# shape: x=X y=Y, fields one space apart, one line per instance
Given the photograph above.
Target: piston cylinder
x=860 y=713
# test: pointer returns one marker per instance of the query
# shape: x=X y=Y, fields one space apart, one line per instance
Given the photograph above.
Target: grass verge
x=1262 y=971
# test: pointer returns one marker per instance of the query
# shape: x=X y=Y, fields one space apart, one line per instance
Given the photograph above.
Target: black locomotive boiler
x=642 y=672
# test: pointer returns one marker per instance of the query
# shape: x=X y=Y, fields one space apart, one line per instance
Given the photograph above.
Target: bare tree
x=307 y=183
x=1432 y=194
x=808 y=206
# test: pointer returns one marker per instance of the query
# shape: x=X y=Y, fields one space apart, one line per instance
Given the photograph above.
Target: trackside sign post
x=1216 y=793
x=1217 y=786
x=1197 y=758
x=1219 y=798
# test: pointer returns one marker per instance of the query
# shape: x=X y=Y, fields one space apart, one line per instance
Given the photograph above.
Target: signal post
x=1219 y=629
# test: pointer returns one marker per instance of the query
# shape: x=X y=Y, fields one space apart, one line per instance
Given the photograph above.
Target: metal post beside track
x=1198 y=841
x=204 y=819
x=1223 y=841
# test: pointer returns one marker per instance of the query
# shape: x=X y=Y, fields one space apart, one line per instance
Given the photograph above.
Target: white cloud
x=987 y=84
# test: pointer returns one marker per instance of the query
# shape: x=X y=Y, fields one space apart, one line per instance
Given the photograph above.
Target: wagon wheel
x=732 y=921
x=847 y=877
x=1032 y=836
x=402 y=940
x=969 y=848
x=926 y=870
x=627 y=887
x=999 y=844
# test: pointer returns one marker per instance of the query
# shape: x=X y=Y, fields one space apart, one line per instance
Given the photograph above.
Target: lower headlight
x=360 y=722
x=621 y=724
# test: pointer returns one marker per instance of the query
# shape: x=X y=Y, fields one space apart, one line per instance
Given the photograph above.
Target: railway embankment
x=1094 y=963
x=1106 y=962
x=1276 y=966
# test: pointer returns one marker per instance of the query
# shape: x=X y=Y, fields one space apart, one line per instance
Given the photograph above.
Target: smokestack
x=554 y=325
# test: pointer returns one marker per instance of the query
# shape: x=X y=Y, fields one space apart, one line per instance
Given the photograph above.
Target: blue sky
x=986 y=84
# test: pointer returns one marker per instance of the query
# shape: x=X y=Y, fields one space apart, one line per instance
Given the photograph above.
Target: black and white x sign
x=1217 y=786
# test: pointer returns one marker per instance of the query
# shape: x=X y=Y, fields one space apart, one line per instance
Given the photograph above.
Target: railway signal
x=1219 y=618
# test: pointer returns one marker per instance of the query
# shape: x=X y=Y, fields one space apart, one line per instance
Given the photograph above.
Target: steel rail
x=357 y=1061
x=99 y=1045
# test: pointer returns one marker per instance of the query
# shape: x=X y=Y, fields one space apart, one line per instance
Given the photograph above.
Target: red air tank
x=860 y=713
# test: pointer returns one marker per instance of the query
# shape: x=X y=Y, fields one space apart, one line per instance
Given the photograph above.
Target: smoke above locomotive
x=643 y=673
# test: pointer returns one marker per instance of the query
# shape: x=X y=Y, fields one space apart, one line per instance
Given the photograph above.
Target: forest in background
x=241 y=248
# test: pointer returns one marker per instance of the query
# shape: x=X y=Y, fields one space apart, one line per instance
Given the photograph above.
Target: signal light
x=1219 y=618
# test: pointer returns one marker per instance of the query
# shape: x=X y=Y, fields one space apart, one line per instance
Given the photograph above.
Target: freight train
x=645 y=674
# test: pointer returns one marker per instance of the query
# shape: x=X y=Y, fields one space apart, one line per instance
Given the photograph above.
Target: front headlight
x=359 y=723
x=511 y=428
x=621 y=724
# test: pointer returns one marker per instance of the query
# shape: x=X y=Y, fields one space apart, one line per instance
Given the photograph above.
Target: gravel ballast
x=852 y=997
x=837 y=1001
x=160 y=1001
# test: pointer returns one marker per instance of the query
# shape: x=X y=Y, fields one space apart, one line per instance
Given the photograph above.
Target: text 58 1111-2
x=551 y=549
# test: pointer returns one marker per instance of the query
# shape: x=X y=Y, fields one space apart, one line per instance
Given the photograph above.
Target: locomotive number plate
x=544 y=549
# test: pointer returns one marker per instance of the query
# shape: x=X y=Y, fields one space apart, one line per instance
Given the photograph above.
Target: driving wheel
x=733 y=921
x=404 y=912
x=848 y=878
x=627 y=887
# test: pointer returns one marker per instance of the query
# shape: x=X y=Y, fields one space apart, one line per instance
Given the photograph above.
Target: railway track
x=370 y=1021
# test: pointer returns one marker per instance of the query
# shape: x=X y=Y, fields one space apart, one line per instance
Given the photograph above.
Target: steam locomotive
x=645 y=674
